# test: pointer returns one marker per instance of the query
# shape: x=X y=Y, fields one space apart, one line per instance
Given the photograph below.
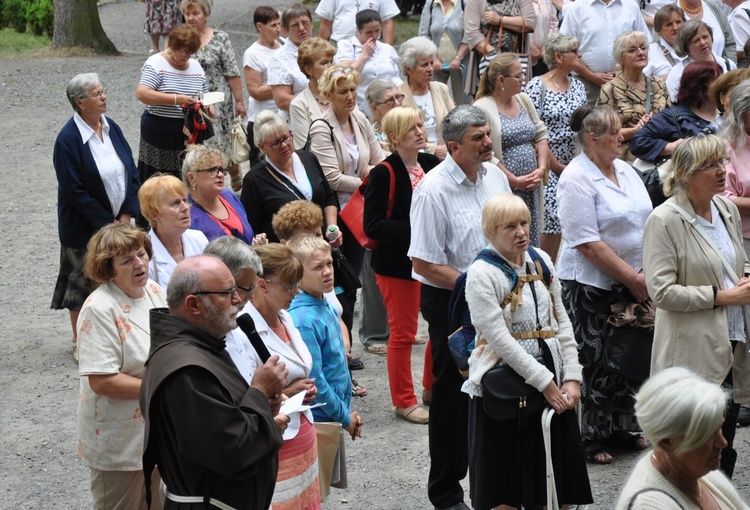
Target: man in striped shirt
x=446 y=235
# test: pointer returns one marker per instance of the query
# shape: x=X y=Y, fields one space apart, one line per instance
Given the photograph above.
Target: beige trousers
x=123 y=490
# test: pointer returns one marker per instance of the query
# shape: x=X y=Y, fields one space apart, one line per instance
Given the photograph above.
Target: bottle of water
x=332 y=232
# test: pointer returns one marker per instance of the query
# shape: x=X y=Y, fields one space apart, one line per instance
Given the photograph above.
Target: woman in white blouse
x=364 y=52
x=164 y=203
x=603 y=206
x=662 y=56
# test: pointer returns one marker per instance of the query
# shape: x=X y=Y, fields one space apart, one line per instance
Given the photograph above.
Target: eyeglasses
x=339 y=72
x=575 y=51
x=392 y=100
x=291 y=289
x=304 y=23
x=98 y=94
x=229 y=292
x=276 y=144
x=246 y=290
x=712 y=167
x=635 y=49
x=213 y=171
x=184 y=53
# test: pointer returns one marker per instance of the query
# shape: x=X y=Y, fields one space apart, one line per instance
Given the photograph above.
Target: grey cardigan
x=433 y=22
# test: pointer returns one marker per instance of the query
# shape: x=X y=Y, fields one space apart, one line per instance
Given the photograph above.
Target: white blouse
x=593 y=208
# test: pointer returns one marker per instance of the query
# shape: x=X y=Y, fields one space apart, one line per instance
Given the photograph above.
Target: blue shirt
x=320 y=328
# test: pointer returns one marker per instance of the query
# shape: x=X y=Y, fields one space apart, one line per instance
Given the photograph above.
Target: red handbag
x=353 y=214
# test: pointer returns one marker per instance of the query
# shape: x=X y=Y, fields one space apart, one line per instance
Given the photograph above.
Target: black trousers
x=449 y=418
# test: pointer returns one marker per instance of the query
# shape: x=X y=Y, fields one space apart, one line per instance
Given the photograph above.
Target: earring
x=193 y=187
x=502 y=89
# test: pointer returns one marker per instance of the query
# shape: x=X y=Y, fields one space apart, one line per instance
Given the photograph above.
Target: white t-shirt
x=658 y=64
x=382 y=65
x=425 y=104
x=740 y=23
x=343 y=12
x=257 y=57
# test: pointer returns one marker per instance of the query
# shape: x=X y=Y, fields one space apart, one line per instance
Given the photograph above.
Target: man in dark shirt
x=212 y=437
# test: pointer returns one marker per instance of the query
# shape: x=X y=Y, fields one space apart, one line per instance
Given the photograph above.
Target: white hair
x=411 y=50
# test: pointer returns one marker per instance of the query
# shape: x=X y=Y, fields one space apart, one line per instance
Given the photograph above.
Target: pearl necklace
x=321 y=102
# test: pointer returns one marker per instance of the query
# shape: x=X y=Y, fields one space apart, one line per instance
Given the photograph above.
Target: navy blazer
x=82 y=203
x=666 y=126
x=394 y=234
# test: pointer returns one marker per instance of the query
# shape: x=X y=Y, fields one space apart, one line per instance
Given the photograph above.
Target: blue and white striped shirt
x=158 y=74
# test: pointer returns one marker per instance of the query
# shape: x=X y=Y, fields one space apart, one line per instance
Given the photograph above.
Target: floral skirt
x=607 y=399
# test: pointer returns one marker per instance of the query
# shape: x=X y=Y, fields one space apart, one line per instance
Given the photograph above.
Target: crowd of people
x=499 y=161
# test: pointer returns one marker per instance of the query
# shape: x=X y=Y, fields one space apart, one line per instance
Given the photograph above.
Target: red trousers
x=401 y=299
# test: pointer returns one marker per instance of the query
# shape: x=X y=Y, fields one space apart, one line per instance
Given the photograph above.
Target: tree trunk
x=77 y=24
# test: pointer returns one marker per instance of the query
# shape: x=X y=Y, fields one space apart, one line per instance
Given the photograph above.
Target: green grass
x=13 y=44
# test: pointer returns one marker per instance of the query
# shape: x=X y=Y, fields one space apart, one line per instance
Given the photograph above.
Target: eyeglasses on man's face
x=228 y=292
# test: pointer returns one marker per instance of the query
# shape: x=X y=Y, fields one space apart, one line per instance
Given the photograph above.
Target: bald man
x=212 y=436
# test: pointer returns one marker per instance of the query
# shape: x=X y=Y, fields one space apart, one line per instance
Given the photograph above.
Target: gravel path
x=38 y=379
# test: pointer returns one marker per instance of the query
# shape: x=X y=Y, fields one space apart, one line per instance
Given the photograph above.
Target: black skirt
x=507 y=465
x=162 y=142
x=72 y=287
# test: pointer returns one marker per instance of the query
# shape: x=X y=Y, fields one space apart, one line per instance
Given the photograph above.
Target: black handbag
x=505 y=394
x=627 y=352
x=343 y=272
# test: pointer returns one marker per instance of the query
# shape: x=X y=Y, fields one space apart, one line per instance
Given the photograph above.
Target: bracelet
x=457 y=58
x=175 y=99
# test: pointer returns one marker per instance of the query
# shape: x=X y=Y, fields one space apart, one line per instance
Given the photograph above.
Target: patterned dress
x=520 y=158
x=630 y=104
x=555 y=113
x=162 y=16
x=218 y=62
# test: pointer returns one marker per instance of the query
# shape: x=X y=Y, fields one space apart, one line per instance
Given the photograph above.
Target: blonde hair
x=398 y=121
x=154 y=189
x=109 y=242
x=501 y=209
x=267 y=124
x=304 y=245
x=331 y=79
x=499 y=66
x=198 y=157
x=625 y=38
x=278 y=260
x=295 y=216
x=204 y=5
x=692 y=154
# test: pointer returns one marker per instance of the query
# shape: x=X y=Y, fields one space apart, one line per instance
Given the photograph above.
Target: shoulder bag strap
x=293 y=192
x=307 y=143
x=667 y=54
x=648 y=95
x=391 y=190
x=732 y=272
x=676 y=120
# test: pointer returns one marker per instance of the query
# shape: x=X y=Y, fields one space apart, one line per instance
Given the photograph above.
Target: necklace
x=320 y=101
x=691 y=11
x=554 y=80
x=643 y=83
x=173 y=61
x=662 y=470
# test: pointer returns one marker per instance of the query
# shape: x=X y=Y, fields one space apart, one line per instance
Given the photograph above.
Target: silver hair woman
x=631 y=91
x=699 y=316
x=382 y=96
x=415 y=59
x=97 y=184
x=681 y=413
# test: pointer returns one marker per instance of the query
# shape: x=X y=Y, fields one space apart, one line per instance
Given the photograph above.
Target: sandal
x=628 y=441
x=381 y=349
x=414 y=414
x=357 y=390
x=596 y=454
x=420 y=340
x=75 y=352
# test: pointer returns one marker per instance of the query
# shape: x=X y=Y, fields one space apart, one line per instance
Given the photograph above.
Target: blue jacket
x=204 y=222
x=666 y=126
x=320 y=328
x=82 y=203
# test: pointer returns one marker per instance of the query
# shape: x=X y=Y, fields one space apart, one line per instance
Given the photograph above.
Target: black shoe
x=356 y=364
x=458 y=506
x=743 y=419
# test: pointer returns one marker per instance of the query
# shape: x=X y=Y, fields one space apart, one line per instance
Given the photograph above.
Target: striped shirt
x=446 y=214
x=159 y=75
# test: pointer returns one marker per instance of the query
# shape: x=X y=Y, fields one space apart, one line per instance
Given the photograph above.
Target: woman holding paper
x=270 y=299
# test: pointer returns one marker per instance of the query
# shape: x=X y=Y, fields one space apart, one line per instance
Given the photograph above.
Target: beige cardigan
x=489 y=106
x=681 y=270
x=334 y=157
x=302 y=111
x=441 y=101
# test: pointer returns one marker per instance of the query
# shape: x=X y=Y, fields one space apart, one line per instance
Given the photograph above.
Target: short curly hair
x=336 y=77
x=312 y=49
x=198 y=157
x=109 y=242
x=184 y=37
x=296 y=216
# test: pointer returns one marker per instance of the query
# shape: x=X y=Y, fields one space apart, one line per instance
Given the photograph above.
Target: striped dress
x=162 y=139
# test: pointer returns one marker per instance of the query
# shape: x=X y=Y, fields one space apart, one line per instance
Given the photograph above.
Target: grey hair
x=734 y=120
x=459 y=120
x=79 y=86
x=375 y=91
x=268 y=123
x=597 y=120
x=293 y=12
x=411 y=50
x=200 y=155
x=685 y=34
x=677 y=403
x=185 y=280
x=557 y=43
x=623 y=39
x=236 y=254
